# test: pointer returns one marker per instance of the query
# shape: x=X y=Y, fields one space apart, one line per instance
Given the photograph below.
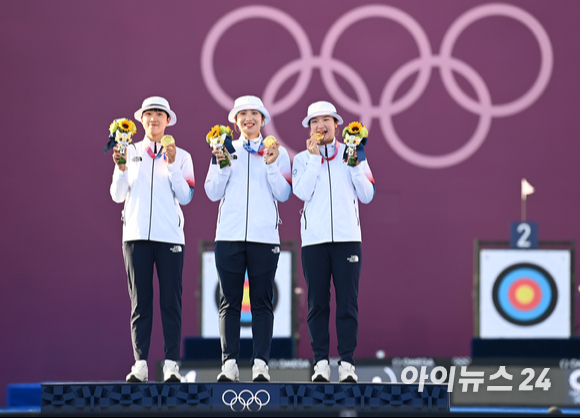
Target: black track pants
x=232 y=258
x=341 y=261
x=140 y=256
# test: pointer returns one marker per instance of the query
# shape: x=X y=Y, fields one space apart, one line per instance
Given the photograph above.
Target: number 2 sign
x=524 y=235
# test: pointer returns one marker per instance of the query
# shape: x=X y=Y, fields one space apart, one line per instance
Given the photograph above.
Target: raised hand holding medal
x=355 y=137
x=168 y=143
x=272 y=152
x=313 y=142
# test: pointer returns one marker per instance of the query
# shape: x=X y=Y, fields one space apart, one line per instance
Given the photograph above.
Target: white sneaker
x=230 y=372
x=260 y=371
x=321 y=372
x=171 y=372
x=346 y=373
x=139 y=372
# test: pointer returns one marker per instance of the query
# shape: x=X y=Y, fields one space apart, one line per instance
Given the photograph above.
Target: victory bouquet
x=218 y=137
x=355 y=137
x=121 y=132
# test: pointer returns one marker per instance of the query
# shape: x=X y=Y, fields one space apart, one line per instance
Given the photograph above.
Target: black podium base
x=225 y=398
x=533 y=348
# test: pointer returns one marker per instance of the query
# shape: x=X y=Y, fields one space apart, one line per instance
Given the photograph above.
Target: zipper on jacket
x=356 y=213
x=248 y=196
x=330 y=188
x=151 y=204
x=304 y=214
x=276 y=208
x=220 y=209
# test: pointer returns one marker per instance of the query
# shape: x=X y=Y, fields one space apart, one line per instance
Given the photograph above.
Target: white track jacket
x=152 y=192
x=249 y=191
x=330 y=190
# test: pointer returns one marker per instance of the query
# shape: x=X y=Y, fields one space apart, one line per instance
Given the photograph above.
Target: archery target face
x=524 y=294
x=246 y=311
x=282 y=299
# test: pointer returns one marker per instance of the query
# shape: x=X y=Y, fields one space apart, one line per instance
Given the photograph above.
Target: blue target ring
x=544 y=292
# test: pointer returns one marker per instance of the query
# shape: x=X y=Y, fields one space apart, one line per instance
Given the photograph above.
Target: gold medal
x=269 y=141
x=167 y=140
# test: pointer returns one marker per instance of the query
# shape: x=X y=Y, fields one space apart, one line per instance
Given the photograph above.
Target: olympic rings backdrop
x=462 y=99
x=388 y=106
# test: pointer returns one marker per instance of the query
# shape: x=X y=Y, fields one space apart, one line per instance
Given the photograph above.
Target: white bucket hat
x=247 y=103
x=156 y=102
x=319 y=109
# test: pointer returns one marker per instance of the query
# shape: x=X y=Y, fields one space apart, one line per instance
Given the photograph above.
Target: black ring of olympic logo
x=548 y=283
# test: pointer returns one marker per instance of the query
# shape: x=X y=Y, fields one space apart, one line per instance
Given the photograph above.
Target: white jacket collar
x=151 y=144
x=328 y=150
x=254 y=143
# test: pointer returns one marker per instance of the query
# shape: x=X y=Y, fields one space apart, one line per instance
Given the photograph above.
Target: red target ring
x=525 y=294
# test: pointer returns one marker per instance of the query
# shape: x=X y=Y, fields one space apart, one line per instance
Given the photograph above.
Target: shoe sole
x=349 y=379
x=261 y=378
x=133 y=379
x=224 y=378
x=173 y=379
x=320 y=378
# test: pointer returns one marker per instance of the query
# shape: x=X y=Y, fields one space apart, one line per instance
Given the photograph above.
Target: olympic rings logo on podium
x=246 y=398
x=388 y=106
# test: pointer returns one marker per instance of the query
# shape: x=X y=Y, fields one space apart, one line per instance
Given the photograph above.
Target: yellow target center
x=525 y=294
x=246 y=295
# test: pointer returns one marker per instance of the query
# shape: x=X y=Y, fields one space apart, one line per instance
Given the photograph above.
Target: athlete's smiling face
x=325 y=124
x=249 y=122
x=154 y=122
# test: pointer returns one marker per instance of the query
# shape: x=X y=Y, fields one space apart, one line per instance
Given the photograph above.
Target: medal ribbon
x=333 y=155
x=152 y=154
x=251 y=151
